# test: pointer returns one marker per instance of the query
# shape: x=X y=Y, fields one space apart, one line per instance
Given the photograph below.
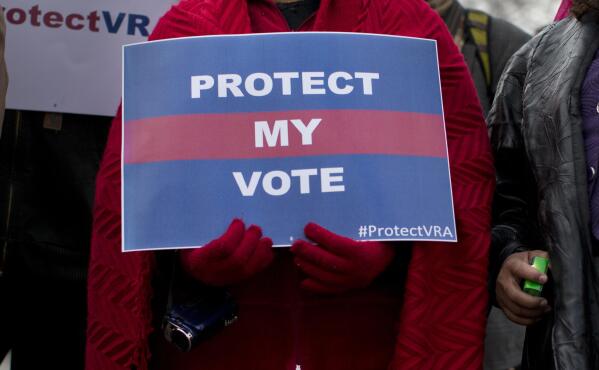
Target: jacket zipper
x=9 y=205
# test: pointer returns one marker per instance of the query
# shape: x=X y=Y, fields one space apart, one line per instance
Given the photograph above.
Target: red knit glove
x=235 y=256
x=338 y=264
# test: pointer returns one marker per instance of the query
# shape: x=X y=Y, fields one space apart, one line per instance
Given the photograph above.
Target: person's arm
x=505 y=39
x=514 y=234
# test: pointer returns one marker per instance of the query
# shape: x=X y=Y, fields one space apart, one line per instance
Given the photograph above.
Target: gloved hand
x=337 y=264
x=235 y=256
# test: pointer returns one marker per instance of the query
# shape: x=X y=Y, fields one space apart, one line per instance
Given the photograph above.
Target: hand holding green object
x=519 y=306
x=533 y=287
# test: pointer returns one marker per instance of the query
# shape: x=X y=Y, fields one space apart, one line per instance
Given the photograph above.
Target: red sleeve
x=119 y=290
x=443 y=320
x=118 y=284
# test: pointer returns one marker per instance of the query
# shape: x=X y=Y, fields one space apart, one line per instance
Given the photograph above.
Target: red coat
x=441 y=325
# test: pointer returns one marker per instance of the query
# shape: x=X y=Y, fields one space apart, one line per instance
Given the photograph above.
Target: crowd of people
x=522 y=126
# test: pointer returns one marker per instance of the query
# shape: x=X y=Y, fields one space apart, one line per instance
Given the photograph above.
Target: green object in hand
x=532 y=287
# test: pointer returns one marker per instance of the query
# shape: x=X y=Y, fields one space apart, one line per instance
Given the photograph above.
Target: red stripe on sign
x=239 y=135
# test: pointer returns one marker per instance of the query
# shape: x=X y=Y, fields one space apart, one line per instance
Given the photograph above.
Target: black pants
x=46 y=324
x=47 y=177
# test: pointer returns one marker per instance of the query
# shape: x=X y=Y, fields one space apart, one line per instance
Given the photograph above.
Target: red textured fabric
x=443 y=319
x=444 y=311
x=336 y=264
x=234 y=257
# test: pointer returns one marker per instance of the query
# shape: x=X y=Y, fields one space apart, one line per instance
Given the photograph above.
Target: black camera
x=198 y=318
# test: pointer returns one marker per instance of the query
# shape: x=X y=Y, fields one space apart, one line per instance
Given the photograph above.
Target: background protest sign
x=65 y=56
x=345 y=130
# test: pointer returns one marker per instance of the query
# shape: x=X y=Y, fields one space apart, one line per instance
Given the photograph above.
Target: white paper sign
x=65 y=55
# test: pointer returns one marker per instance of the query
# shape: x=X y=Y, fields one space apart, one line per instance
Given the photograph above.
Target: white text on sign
x=328 y=177
x=263 y=84
x=277 y=183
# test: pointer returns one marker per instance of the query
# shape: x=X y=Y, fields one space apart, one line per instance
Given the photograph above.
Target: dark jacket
x=541 y=199
x=47 y=176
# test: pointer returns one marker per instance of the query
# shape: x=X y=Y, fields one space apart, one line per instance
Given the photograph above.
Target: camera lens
x=181 y=340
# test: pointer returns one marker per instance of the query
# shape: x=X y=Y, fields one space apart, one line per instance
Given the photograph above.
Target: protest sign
x=342 y=129
x=65 y=56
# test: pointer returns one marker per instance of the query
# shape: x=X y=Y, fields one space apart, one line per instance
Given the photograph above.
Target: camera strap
x=172 y=278
x=182 y=288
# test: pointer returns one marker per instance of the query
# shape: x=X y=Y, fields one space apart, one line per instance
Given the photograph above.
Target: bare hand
x=518 y=306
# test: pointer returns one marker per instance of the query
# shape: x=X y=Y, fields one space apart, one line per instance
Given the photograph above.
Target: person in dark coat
x=544 y=134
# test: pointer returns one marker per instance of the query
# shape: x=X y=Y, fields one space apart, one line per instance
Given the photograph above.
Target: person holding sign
x=328 y=302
